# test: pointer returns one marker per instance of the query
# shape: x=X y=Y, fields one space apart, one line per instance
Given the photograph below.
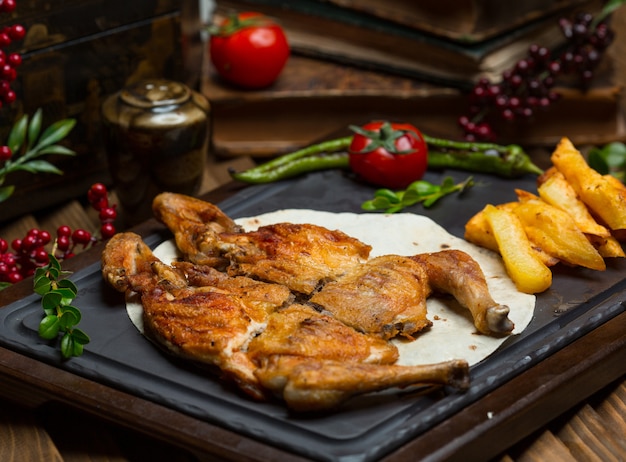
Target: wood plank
x=22 y=438
x=588 y=438
x=546 y=447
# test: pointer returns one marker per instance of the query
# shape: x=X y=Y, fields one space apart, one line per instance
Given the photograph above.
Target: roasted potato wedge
x=608 y=247
x=556 y=191
x=523 y=265
x=478 y=231
x=606 y=198
x=556 y=233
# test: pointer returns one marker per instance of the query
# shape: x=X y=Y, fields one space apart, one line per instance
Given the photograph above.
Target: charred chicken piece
x=258 y=338
x=300 y=256
x=385 y=296
x=196 y=225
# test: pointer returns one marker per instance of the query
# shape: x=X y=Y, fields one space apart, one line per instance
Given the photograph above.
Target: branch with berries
x=530 y=85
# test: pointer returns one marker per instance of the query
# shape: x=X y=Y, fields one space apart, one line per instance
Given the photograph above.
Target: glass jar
x=156 y=138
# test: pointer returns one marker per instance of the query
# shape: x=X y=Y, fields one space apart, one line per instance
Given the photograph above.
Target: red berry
x=4 y=245
x=107 y=230
x=80 y=236
x=107 y=214
x=41 y=256
x=15 y=59
x=98 y=190
x=14 y=277
x=64 y=230
x=63 y=243
x=5 y=153
x=7 y=6
x=28 y=243
x=17 y=31
x=16 y=245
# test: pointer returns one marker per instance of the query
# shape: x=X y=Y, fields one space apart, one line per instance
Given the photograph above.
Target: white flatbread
x=453 y=335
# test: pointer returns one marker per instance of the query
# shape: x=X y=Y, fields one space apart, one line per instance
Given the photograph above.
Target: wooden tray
x=559 y=361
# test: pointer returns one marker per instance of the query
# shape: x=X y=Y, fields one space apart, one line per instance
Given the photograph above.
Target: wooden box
x=75 y=54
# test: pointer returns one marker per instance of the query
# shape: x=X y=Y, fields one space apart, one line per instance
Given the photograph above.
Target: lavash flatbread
x=453 y=335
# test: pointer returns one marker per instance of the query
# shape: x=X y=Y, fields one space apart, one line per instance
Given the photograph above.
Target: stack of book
x=353 y=61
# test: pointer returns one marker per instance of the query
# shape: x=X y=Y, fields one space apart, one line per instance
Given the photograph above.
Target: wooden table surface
x=593 y=429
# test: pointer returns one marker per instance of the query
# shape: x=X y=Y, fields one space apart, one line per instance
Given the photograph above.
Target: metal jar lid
x=155 y=93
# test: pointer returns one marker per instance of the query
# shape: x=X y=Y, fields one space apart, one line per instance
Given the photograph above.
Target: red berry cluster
x=529 y=85
x=99 y=200
x=9 y=62
x=21 y=258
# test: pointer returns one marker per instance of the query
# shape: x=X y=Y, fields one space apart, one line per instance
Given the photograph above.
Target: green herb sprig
x=28 y=144
x=60 y=317
x=420 y=191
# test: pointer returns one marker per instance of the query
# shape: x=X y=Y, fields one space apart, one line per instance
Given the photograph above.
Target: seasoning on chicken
x=257 y=337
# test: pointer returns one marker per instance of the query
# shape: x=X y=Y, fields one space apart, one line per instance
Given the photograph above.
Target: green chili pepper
x=294 y=167
x=507 y=161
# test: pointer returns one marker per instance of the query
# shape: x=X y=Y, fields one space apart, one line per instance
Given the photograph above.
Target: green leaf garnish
x=28 y=144
x=60 y=316
x=420 y=191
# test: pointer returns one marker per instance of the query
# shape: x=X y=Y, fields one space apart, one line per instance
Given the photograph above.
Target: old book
x=468 y=21
x=377 y=44
x=314 y=99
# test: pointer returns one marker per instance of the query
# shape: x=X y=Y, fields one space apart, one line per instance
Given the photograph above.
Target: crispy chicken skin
x=195 y=224
x=385 y=296
x=258 y=338
x=300 y=256
x=295 y=311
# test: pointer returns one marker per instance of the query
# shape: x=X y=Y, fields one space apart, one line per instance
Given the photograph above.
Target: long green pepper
x=507 y=161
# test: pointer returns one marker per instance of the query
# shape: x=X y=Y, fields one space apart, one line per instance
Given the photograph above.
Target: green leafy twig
x=609 y=159
x=60 y=317
x=28 y=144
x=420 y=191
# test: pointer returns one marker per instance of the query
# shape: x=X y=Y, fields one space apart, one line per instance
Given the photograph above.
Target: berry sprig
x=9 y=61
x=27 y=144
x=24 y=256
x=60 y=316
x=528 y=87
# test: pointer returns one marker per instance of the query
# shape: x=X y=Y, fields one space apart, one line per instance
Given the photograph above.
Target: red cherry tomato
x=249 y=50
x=386 y=154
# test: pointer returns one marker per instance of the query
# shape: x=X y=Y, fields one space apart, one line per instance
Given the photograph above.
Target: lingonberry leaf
x=6 y=192
x=51 y=300
x=39 y=166
x=18 y=134
x=34 y=128
x=55 y=133
x=49 y=327
x=80 y=336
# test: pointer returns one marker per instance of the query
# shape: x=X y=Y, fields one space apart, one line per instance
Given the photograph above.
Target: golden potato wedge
x=524 y=196
x=556 y=233
x=478 y=231
x=603 y=196
x=526 y=270
x=556 y=191
x=608 y=247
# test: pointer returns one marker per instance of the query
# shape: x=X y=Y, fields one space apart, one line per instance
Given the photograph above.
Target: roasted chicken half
x=296 y=311
x=306 y=258
x=258 y=336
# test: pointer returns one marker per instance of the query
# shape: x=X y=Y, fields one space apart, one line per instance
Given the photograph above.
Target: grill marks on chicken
x=297 y=311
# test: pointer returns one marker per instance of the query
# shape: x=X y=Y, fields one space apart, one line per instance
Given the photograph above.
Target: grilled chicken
x=257 y=337
x=296 y=311
x=307 y=257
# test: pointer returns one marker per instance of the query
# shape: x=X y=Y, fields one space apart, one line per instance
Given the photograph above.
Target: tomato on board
x=392 y=155
x=249 y=50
